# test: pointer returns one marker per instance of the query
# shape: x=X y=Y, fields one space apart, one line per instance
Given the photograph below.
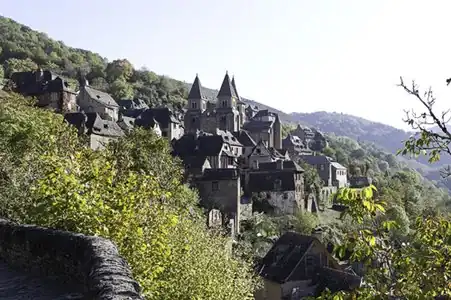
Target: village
x=232 y=153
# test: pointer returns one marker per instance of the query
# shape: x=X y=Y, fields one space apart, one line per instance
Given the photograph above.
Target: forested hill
x=22 y=48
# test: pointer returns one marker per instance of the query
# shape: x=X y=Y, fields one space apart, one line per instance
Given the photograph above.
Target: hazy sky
x=294 y=55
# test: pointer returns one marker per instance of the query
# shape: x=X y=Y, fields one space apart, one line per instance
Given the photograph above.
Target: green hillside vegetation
x=130 y=193
x=23 y=49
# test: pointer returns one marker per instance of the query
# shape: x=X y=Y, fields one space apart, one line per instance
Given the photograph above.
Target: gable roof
x=101 y=97
x=221 y=174
x=337 y=165
x=132 y=104
x=264 y=181
x=287 y=165
x=226 y=89
x=257 y=126
x=244 y=138
x=315 y=159
x=92 y=123
x=196 y=91
x=284 y=256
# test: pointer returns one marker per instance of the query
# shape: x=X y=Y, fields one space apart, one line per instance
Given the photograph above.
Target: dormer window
x=105 y=126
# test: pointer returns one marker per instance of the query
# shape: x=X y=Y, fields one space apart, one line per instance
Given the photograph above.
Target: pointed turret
x=196 y=91
x=234 y=87
x=227 y=89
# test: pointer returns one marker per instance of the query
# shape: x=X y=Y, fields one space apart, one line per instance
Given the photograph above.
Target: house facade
x=91 y=100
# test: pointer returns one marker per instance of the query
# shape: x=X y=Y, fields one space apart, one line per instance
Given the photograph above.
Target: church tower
x=226 y=106
x=241 y=106
x=196 y=106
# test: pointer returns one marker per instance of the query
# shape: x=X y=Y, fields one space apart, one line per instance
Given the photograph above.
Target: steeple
x=234 y=87
x=227 y=89
x=196 y=90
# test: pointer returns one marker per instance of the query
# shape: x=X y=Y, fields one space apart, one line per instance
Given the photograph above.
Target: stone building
x=98 y=130
x=221 y=189
x=161 y=119
x=295 y=146
x=91 y=100
x=51 y=91
x=281 y=183
x=227 y=114
x=265 y=126
x=299 y=266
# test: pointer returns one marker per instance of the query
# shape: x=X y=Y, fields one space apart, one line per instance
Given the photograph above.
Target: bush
x=130 y=193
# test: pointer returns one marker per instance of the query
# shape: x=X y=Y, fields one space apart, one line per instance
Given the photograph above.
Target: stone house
x=126 y=123
x=222 y=149
x=281 y=183
x=98 y=130
x=265 y=126
x=312 y=138
x=322 y=164
x=260 y=153
x=228 y=113
x=51 y=91
x=91 y=100
x=248 y=146
x=160 y=119
x=221 y=189
x=295 y=146
x=300 y=266
x=339 y=175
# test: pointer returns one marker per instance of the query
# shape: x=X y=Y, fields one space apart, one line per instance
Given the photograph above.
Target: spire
x=234 y=87
x=227 y=89
x=196 y=90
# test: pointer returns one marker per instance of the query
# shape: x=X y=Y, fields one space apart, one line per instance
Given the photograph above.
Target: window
x=224 y=103
x=193 y=120
x=215 y=186
x=193 y=105
x=321 y=167
x=164 y=133
x=258 y=151
x=285 y=195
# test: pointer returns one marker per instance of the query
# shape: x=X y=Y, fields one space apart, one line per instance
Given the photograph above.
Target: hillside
x=22 y=48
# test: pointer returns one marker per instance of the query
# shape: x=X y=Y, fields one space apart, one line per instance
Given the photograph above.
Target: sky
x=294 y=55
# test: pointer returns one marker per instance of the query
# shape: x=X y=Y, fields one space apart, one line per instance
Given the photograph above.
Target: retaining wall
x=92 y=262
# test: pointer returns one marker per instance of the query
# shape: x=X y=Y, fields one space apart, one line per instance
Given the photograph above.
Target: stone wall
x=92 y=262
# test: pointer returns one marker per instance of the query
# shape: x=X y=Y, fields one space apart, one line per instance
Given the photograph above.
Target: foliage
x=418 y=269
x=130 y=193
x=286 y=129
x=24 y=49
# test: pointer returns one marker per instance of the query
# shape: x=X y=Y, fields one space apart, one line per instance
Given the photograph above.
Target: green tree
x=19 y=65
x=120 y=89
x=129 y=192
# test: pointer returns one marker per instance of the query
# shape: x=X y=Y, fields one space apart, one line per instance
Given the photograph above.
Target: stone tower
x=227 y=114
x=196 y=106
x=241 y=106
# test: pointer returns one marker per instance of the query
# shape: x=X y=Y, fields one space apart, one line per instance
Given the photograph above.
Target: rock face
x=62 y=265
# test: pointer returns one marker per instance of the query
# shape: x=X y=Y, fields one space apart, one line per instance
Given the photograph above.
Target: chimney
x=279 y=164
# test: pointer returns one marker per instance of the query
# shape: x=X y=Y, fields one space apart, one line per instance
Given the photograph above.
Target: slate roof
x=228 y=137
x=196 y=91
x=210 y=145
x=101 y=97
x=163 y=116
x=126 y=123
x=194 y=162
x=244 y=138
x=236 y=92
x=132 y=104
x=315 y=159
x=92 y=123
x=293 y=140
x=287 y=165
x=256 y=125
x=226 y=89
x=337 y=165
x=220 y=174
x=284 y=256
x=359 y=181
x=34 y=83
x=338 y=280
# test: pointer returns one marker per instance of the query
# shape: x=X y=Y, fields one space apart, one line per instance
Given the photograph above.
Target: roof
x=226 y=89
x=101 y=97
x=244 y=138
x=132 y=104
x=196 y=91
x=359 y=181
x=287 y=165
x=92 y=123
x=315 y=159
x=256 y=125
x=338 y=280
x=126 y=123
x=228 y=137
x=337 y=165
x=236 y=91
x=210 y=145
x=284 y=256
x=220 y=174
x=194 y=162
x=163 y=116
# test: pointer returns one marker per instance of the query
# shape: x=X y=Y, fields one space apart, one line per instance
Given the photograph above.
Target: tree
x=19 y=65
x=119 y=69
x=120 y=89
x=130 y=192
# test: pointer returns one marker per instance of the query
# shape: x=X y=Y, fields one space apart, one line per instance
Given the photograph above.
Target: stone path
x=15 y=285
